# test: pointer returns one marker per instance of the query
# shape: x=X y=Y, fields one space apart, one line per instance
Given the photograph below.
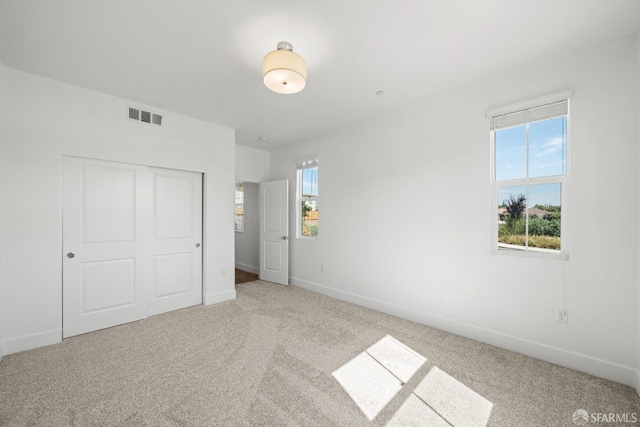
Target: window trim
x=301 y=164
x=528 y=104
x=563 y=180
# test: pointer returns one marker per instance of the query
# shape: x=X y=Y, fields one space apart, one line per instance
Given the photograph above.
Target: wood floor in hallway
x=244 y=276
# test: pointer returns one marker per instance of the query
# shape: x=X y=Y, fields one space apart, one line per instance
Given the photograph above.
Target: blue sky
x=310 y=181
x=546 y=157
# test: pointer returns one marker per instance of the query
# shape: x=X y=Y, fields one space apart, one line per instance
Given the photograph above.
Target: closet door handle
x=70 y=255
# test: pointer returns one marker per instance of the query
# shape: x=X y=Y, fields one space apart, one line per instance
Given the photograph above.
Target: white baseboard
x=245 y=267
x=219 y=297
x=15 y=345
x=580 y=362
x=29 y=342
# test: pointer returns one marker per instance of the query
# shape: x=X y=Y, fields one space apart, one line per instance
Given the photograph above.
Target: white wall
x=405 y=224
x=1 y=156
x=45 y=119
x=252 y=165
x=637 y=385
x=248 y=241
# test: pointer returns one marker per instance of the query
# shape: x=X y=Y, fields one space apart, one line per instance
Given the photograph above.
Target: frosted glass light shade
x=284 y=71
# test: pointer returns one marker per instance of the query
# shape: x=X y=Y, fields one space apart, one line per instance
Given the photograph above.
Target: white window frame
x=563 y=180
x=301 y=164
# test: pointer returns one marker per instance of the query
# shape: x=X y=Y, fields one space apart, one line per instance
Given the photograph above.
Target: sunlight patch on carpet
x=368 y=383
x=454 y=401
x=376 y=375
x=414 y=412
x=399 y=359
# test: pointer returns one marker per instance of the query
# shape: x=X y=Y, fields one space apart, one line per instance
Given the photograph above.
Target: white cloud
x=549 y=146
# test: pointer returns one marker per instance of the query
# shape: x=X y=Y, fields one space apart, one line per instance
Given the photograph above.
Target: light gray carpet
x=267 y=358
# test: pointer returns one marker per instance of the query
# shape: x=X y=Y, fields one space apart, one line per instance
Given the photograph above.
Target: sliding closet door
x=105 y=264
x=176 y=245
x=131 y=243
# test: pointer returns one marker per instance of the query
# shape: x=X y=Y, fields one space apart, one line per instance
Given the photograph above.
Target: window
x=529 y=147
x=307 y=198
x=239 y=207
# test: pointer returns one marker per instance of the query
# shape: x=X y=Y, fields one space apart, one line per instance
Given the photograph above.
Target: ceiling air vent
x=145 y=116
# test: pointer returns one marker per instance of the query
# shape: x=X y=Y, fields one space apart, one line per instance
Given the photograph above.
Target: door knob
x=197 y=245
x=284 y=237
x=70 y=255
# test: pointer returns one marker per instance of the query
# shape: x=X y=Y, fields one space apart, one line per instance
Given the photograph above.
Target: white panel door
x=176 y=245
x=131 y=243
x=105 y=265
x=274 y=231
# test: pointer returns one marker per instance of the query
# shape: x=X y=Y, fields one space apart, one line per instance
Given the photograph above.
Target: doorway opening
x=247 y=238
x=244 y=276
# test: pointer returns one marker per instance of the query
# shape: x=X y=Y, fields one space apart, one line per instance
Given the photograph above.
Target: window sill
x=503 y=249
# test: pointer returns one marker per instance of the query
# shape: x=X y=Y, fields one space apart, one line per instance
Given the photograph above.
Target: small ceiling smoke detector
x=380 y=93
x=263 y=139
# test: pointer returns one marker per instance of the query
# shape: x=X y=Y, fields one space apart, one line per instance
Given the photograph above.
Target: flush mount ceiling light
x=284 y=71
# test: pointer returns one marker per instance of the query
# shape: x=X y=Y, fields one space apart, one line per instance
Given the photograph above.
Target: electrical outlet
x=322 y=268
x=562 y=315
x=223 y=273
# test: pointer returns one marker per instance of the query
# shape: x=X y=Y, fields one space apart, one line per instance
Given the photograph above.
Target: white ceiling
x=203 y=58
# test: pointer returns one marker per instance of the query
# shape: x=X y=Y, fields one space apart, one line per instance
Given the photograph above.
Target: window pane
x=512 y=202
x=239 y=192
x=541 y=230
x=544 y=216
x=239 y=206
x=310 y=182
x=511 y=153
x=309 y=218
x=548 y=147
